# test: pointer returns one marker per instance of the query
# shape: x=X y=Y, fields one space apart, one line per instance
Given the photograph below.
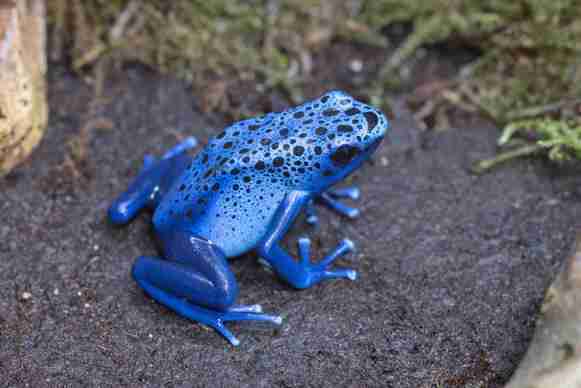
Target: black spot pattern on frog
x=258 y=160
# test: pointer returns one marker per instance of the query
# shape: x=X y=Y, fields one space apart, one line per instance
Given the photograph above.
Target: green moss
x=530 y=67
x=562 y=138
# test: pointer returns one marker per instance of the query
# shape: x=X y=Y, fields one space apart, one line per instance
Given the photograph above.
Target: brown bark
x=554 y=356
x=23 y=107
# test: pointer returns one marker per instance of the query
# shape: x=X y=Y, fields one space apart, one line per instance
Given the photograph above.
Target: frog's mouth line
x=366 y=153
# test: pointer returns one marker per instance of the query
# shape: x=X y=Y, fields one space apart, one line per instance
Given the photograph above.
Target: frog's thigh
x=195 y=270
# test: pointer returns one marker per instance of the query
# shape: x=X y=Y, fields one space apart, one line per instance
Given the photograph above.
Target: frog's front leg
x=331 y=199
x=154 y=179
x=301 y=273
x=196 y=282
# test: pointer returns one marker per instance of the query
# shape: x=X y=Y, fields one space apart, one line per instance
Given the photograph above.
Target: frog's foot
x=331 y=199
x=319 y=271
x=299 y=273
x=211 y=318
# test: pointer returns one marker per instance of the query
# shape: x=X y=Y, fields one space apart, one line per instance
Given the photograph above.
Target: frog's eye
x=372 y=120
x=344 y=154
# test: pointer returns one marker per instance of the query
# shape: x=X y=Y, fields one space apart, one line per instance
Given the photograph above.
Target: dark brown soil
x=452 y=266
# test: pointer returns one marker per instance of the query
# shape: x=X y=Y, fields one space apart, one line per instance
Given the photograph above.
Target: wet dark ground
x=452 y=266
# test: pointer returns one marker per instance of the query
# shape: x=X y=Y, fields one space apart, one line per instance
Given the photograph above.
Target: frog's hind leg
x=154 y=179
x=331 y=199
x=196 y=283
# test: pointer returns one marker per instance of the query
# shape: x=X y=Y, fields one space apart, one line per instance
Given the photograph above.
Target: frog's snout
x=376 y=122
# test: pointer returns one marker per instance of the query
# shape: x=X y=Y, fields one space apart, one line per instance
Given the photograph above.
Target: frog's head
x=349 y=132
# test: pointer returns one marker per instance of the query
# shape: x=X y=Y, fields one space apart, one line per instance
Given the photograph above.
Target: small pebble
x=356 y=65
x=26 y=295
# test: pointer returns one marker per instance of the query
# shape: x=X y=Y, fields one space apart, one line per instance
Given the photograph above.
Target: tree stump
x=23 y=106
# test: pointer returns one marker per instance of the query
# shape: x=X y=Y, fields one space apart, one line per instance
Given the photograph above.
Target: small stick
x=487 y=164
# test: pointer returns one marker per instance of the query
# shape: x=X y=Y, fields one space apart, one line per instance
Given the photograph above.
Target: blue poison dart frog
x=242 y=192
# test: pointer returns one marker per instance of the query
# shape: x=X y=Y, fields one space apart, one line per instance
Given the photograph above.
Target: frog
x=242 y=192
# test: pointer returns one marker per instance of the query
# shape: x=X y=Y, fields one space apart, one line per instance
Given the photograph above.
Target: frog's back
x=232 y=189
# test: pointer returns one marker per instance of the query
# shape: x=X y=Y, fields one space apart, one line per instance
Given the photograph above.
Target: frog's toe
x=253 y=308
x=239 y=314
x=338 y=206
x=319 y=271
x=230 y=316
x=220 y=328
x=350 y=274
x=186 y=144
x=331 y=199
x=311 y=211
x=265 y=264
x=351 y=192
x=343 y=248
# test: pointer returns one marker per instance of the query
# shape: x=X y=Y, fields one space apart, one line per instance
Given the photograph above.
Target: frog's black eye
x=372 y=120
x=344 y=154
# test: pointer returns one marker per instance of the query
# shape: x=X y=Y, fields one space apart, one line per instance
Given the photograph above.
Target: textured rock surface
x=453 y=267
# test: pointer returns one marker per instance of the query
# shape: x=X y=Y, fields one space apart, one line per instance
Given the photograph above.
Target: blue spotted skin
x=242 y=192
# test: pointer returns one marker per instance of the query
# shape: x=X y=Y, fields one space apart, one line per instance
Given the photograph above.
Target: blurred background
x=516 y=63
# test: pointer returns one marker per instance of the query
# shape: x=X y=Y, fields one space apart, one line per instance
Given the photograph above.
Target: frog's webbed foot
x=320 y=270
x=331 y=199
x=300 y=273
x=237 y=314
x=304 y=273
x=212 y=318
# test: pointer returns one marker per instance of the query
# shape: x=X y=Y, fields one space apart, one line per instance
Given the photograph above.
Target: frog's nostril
x=372 y=120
